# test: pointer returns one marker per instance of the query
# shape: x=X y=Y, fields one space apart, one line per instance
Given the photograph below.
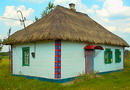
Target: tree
x=36 y=18
x=127 y=54
x=48 y=9
x=1 y=45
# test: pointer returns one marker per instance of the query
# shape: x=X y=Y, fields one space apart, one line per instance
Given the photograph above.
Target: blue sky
x=112 y=14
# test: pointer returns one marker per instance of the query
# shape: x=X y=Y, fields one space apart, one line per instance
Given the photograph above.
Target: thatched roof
x=65 y=24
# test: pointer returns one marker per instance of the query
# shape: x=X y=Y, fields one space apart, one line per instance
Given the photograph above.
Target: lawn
x=111 y=81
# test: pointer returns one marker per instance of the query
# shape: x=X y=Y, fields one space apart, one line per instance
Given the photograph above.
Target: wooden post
x=11 y=59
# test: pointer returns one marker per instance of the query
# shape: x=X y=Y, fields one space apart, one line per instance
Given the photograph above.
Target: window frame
x=117 y=56
x=109 y=57
x=23 y=56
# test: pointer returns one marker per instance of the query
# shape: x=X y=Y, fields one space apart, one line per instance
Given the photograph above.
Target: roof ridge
x=71 y=10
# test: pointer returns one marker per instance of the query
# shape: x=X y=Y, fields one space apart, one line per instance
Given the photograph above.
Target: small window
x=108 y=56
x=117 y=56
x=26 y=56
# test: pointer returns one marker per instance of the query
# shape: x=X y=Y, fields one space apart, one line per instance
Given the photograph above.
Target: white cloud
x=122 y=25
x=11 y=12
x=2 y=36
x=34 y=1
x=127 y=29
x=103 y=13
x=5 y=48
x=111 y=28
x=92 y=9
x=112 y=8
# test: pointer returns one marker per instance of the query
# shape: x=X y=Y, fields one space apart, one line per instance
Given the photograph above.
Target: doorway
x=89 y=61
x=90 y=53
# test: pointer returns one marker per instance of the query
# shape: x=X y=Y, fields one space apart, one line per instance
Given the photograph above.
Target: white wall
x=72 y=59
x=100 y=66
x=41 y=66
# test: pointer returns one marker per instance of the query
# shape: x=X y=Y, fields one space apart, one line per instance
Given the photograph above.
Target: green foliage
x=86 y=77
x=1 y=45
x=47 y=10
x=4 y=53
x=127 y=55
x=36 y=18
x=111 y=81
x=5 y=57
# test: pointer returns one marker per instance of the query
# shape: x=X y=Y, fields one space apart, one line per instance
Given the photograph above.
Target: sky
x=114 y=15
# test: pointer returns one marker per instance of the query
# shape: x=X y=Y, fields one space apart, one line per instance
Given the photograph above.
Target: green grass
x=5 y=57
x=112 y=81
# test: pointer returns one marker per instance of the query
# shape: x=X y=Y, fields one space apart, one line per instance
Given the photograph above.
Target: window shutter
x=105 y=56
x=110 y=57
x=116 y=55
x=119 y=56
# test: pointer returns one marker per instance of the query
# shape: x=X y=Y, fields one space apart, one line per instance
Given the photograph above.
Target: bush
x=0 y=59
x=86 y=77
x=3 y=54
x=127 y=54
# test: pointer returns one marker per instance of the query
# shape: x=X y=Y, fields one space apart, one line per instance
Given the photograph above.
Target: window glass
x=108 y=56
x=117 y=56
x=26 y=54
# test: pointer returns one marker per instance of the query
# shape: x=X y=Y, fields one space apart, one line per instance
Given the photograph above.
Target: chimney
x=72 y=6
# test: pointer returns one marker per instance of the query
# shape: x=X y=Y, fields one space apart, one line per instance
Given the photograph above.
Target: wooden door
x=89 y=61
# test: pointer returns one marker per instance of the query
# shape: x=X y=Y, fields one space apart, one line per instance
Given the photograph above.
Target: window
x=108 y=56
x=26 y=56
x=117 y=56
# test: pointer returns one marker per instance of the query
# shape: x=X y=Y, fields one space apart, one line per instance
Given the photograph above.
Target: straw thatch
x=66 y=24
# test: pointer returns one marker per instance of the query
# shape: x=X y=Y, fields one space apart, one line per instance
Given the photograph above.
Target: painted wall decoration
x=57 y=59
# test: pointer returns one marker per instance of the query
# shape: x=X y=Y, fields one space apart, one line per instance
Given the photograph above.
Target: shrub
x=86 y=77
